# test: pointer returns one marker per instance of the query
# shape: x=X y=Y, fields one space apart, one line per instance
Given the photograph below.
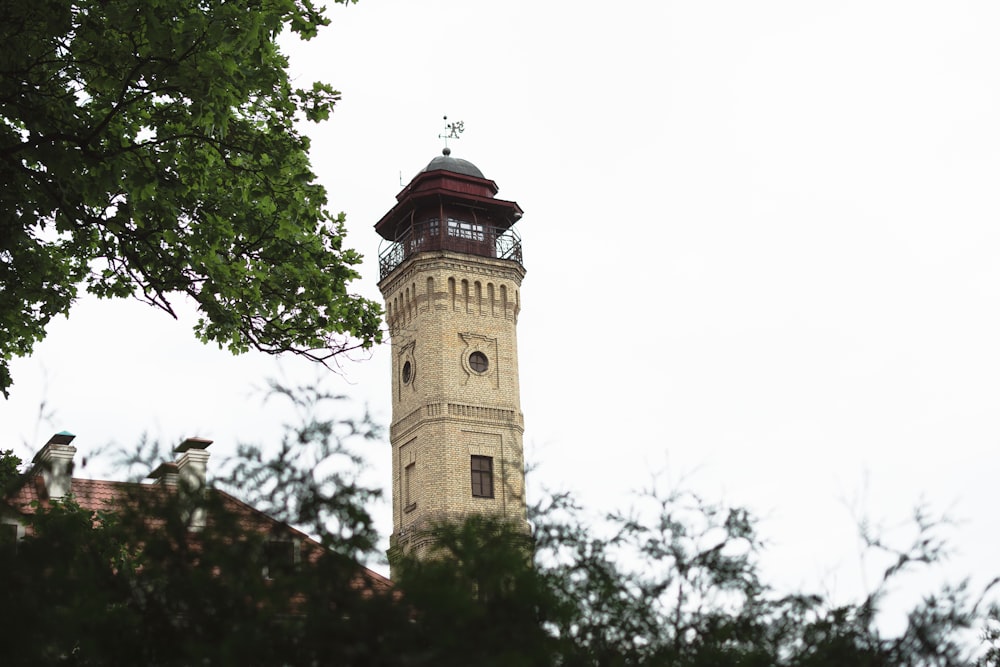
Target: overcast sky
x=762 y=251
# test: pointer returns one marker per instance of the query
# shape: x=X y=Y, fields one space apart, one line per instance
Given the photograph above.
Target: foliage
x=9 y=470
x=134 y=584
x=150 y=149
x=674 y=582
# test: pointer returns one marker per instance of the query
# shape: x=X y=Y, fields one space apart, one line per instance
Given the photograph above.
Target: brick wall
x=441 y=308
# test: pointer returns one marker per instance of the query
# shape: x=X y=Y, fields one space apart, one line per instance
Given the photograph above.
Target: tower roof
x=452 y=183
x=445 y=162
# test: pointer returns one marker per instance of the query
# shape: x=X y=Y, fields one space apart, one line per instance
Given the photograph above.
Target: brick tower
x=451 y=271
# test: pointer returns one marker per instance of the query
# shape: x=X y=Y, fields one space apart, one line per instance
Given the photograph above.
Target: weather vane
x=452 y=130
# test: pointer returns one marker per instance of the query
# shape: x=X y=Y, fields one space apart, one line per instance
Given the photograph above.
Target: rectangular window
x=482 y=476
x=280 y=557
x=422 y=234
x=466 y=230
x=408 y=500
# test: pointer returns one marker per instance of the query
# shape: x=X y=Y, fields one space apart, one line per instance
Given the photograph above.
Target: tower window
x=408 y=499
x=407 y=372
x=482 y=476
x=478 y=362
x=466 y=230
x=422 y=234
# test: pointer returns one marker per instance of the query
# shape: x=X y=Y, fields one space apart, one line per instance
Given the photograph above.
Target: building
x=50 y=480
x=451 y=271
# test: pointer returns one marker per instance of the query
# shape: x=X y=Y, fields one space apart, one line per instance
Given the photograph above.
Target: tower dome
x=445 y=162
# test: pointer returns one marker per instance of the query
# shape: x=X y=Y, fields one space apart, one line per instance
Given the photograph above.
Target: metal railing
x=457 y=236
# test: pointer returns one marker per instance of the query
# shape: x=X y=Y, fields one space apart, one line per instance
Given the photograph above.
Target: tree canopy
x=675 y=582
x=151 y=149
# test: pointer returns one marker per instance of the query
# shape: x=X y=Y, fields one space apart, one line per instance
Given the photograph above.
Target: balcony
x=455 y=235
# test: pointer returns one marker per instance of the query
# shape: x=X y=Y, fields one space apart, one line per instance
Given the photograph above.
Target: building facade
x=50 y=480
x=451 y=272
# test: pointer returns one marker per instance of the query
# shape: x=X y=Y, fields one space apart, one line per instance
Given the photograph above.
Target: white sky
x=762 y=251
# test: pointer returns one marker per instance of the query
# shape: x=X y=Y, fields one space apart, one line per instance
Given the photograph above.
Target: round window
x=407 y=372
x=478 y=362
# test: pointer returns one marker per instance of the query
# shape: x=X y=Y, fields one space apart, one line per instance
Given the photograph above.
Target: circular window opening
x=478 y=362
x=407 y=372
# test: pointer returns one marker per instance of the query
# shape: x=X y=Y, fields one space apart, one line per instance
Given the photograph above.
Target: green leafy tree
x=131 y=583
x=10 y=465
x=674 y=583
x=151 y=149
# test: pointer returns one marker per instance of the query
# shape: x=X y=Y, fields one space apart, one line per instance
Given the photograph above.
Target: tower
x=451 y=271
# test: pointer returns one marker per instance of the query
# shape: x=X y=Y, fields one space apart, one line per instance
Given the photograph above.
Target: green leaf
x=150 y=149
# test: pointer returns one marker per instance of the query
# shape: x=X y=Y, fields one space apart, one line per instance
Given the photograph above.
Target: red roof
x=96 y=495
x=90 y=494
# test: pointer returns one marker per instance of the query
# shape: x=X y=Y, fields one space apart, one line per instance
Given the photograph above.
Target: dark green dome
x=446 y=162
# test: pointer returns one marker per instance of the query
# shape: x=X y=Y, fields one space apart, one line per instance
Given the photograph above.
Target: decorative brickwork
x=442 y=307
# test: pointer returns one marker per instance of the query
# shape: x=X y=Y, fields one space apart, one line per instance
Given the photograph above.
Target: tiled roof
x=95 y=495
x=90 y=494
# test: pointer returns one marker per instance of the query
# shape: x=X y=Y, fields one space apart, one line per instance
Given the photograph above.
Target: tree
x=151 y=149
x=674 y=582
x=131 y=583
x=9 y=470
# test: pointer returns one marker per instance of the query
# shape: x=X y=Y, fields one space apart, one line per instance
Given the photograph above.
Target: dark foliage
x=674 y=583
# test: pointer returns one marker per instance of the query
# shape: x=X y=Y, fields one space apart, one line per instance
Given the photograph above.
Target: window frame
x=482 y=476
x=463 y=229
x=409 y=499
x=280 y=556
x=479 y=362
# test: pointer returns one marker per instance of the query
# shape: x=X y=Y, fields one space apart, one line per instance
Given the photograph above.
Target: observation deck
x=461 y=236
x=450 y=206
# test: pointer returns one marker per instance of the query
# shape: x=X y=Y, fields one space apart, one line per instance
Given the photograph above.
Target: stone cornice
x=444 y=260
x=458 y=413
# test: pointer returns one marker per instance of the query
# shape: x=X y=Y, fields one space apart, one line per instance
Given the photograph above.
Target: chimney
x=190 y=468
x=55 y=462
x=165 y=474
x=192 y=462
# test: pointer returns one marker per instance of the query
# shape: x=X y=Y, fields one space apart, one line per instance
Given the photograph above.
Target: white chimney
x=192 y=462
x=55 y=462
x=191 y=467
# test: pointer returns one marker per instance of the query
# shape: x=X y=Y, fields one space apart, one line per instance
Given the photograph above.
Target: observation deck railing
x=456 y=235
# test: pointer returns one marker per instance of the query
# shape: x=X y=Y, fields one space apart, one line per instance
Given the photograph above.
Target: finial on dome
x=446 y=151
